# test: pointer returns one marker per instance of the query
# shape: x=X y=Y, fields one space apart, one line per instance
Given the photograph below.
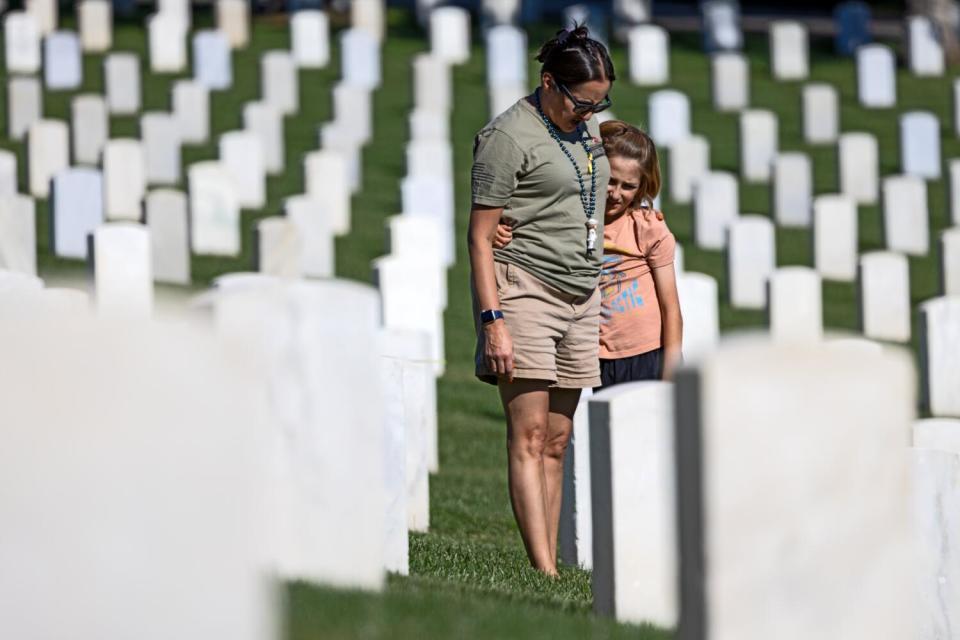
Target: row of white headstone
x=732 y=452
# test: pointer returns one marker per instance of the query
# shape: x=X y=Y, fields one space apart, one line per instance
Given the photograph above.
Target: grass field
x=469 y=577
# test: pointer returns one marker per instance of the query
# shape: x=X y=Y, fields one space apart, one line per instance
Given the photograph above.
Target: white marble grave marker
x=759 y=143
x=241 y=154
x=633 y=503
x=721 y=25
x=730 y=80
x=432 y=197
x=429 y=125
x=18 y=234
x=716 y=205
x=419 y=237
x=689 y=160
x=369 y=15
x=699 y=305
x=432 y=88
x=885 y=296
x=46 y=12
x=793 y=189
x=788 y=49
x=8 y=173
x=214 y=210
x=24 y=105
x=160 y=133
x=166 y=218
x=279 y=81
x=506 y=56
x=950 y=262
x=264 y=120
x=940 y=355
x=669 y=117
x=336 y=136
x=21 y=35
x=859 y=167
x=876 y=76
x=77 y=205
x=353 y=111
x=360 y=59
x=233 y=20
x=62 y=63
x=906 y=222
x=95 y=18
x=122 y=80
x=48 y=151
x=310 y=39
x=924 y=51
x=835 y=227
x=326 y=183
x=313 y=227
x=920 y=144
x=121 y=261
x=450 y=34
x=90 y=126
x=575 y=535
x=167 y=35
x=940 y=434
x=796 y=305
x=649 y=55
x=212 y=64
x=751 y=260
x=124 y=179
x=191 y=108
x=279 y=250
x=954 y=191
x=821 y=113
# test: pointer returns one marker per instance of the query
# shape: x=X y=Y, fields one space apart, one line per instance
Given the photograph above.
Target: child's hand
x=504 y=235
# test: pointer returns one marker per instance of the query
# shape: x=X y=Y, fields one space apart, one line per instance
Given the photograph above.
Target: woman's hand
x=504 y=235
x=498 y=348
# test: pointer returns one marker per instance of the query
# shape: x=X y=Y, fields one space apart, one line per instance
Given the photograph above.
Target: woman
x=541 y=165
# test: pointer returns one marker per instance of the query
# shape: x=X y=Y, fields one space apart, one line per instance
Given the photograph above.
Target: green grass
x=469 y=576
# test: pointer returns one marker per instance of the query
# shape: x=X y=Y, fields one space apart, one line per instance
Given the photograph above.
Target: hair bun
x=564 y=38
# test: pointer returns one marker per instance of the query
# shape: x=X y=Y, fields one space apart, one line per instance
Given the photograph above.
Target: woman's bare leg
x=563 y=404
x=527 y=405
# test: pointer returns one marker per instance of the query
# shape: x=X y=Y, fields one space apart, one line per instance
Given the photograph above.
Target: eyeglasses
x=581 y=107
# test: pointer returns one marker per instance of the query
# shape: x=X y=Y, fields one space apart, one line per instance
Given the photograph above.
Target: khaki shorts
x=556 y=335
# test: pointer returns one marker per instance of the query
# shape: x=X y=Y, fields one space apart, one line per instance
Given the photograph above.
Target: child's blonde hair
x=624 y=140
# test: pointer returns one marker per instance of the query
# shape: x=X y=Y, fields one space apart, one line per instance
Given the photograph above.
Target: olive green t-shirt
x=518 y=166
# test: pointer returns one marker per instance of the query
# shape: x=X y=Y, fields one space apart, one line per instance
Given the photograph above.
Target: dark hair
x=624 y=140
x=573 y=57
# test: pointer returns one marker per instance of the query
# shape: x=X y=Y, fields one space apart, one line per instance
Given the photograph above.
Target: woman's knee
x=528 y=440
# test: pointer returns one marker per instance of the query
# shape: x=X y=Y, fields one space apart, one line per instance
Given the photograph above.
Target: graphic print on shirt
x=615 y=298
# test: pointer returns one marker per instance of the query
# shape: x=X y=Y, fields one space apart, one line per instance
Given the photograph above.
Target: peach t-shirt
x=633 y=244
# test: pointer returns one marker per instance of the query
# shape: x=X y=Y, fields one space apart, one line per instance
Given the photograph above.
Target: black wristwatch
x=489 y=315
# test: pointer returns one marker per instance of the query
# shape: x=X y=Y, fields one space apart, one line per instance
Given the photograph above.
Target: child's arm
x=665 y=281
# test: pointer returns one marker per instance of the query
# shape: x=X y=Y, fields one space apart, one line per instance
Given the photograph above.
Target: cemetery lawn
x=469 y=577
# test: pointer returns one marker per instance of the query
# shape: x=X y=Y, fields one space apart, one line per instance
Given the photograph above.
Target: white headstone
x=360 y=59
x=166 y=217
x=759 y=143
x=419 y=237
x=264 y=120
x=876 y=76
x=920 y=144
x=279 y=250
x=121 y=77
x=954 y=191
x=326 y=182
x=835 y=227
x=62 y=63
x=46 y=12
x=699 y=305
x=212 y=66
x=924 y=51
x=821 y=113
x=801 y=541
x=906 y=222
x=214 y=210
x=48 y=151
x=90 y=126
x=504 y=96
x=793 y=189
x=450 y=34
x=885 y=296
x=796 y=305
x=429 y=125
x=24 y=105
x=956 y=106
x=233 y=20
x=279 y=81
x=241 y=154
x=77 y=205
x=8 y=173
x=575 y=534
x=191 y=108
x=313 y=227
x=167 y=35
x=940 y=355
x=121 y=260
x=310 y=39
x=789 y=57
x=353 y=111
x=124 y=179
x=18 y=234
x=669 y=117
x=939 y=434
x=716 y=205
x=430 y=158
x=649 y=51
x=950 y=262
x=160 y=133
x=500 y=12
x=432 y=197
x=633 y=489
x=337 y=136
x=95 y=18
x=721 y=25
x=432 y=87
x=180 y=9
x=689 y=160
x=21 y=36
x=859 y=160
x=506 y=56
x=751 y=260
x=730 y=79
x=369 y=15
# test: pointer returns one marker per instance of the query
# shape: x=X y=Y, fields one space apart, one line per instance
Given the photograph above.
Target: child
x=641 y=328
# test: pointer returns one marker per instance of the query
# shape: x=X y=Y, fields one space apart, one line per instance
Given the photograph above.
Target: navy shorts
x=644 y=366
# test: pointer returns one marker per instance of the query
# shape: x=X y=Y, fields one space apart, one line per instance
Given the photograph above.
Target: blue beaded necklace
x=588 y=201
